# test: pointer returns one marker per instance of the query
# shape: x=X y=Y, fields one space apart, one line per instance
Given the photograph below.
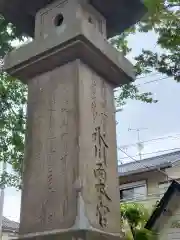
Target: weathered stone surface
x=62 y=15
x=119 y=14
x=73 y=235
x=81 y=42
x=70 y=178
x=51 y=164
x=96 y=110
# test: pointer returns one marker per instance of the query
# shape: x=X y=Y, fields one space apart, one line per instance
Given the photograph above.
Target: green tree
x=135 y=215
x=163 y=18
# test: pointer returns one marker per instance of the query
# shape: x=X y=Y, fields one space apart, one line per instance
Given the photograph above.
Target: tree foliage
x=136 y=216
x=12 y=127
x=163 y=18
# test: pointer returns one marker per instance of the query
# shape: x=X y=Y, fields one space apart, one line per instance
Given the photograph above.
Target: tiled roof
x=8 y=225
x=148 y=164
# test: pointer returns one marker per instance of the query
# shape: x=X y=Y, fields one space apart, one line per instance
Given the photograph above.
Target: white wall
x=8 y=236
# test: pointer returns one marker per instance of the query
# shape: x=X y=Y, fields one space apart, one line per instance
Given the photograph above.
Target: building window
x=133 y=191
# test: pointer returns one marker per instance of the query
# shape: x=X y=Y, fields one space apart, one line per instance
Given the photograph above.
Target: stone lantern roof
x=120 y=14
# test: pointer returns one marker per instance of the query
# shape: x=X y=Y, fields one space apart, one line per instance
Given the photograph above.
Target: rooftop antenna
x=140 y=145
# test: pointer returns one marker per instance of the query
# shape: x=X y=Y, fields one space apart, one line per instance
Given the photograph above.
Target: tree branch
x=132 y=231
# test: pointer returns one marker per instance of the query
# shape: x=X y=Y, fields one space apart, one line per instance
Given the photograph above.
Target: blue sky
x=160 y=119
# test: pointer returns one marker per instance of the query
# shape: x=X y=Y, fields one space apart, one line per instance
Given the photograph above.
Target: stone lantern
x=70 y=180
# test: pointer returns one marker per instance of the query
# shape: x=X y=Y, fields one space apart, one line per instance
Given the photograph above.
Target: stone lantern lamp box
x=70 y=180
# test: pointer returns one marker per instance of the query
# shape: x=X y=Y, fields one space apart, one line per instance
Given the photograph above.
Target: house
x=147 y=180
x=165 y=219
x=9 y=229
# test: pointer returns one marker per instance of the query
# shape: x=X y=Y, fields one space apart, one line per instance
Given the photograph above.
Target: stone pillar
x=70 y=183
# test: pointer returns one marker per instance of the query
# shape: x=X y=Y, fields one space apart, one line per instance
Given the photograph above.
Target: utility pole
x=139 y=143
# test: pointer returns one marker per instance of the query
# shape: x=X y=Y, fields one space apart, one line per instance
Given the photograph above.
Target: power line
x=150 y=140
x=152 y=81
x=160 y=151
x=145 y=166
x=148 y=82
x=148 y=75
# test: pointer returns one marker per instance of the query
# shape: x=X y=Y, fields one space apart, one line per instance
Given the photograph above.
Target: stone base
x=73 y=235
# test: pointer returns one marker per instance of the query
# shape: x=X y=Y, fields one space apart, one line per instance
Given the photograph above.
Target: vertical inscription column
x=57 y=136
x=98 y=160
x=100 y=154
